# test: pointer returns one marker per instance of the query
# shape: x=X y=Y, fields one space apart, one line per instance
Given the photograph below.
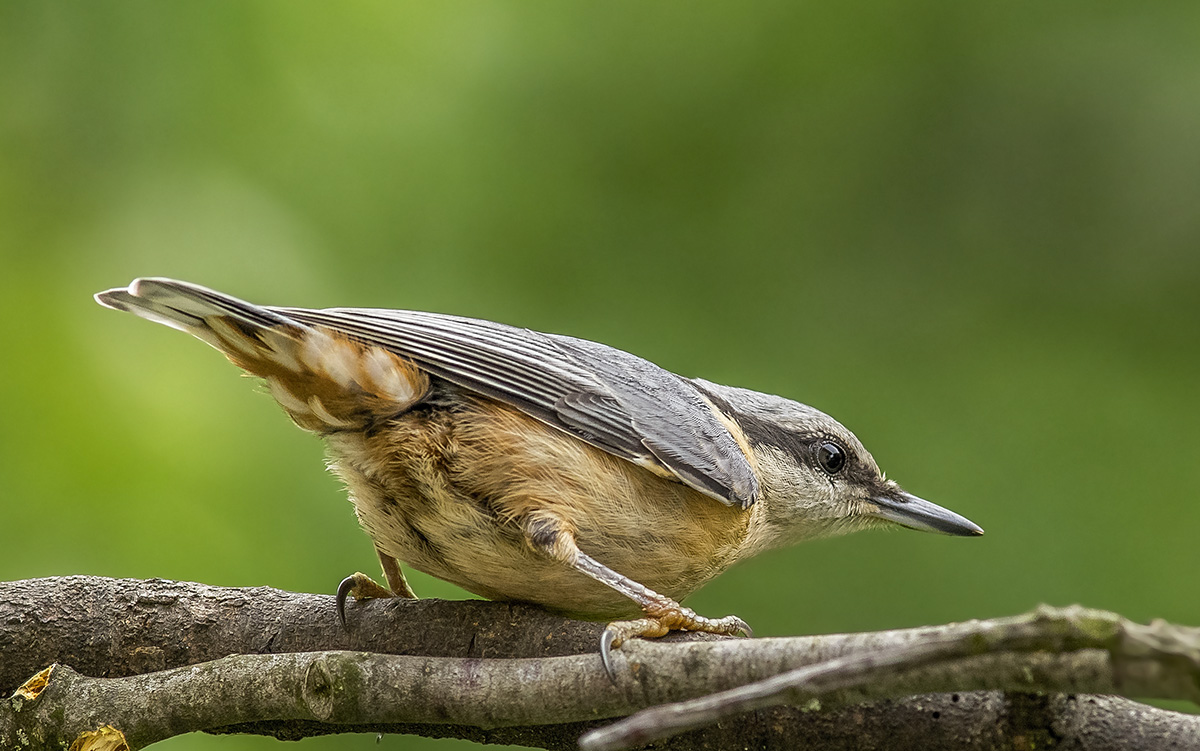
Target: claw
x=343 y=590
x=607 y=639
x=743 y=626
x=359 y=586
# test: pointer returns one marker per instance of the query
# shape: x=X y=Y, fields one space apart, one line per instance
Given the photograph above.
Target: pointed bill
x=910 y=511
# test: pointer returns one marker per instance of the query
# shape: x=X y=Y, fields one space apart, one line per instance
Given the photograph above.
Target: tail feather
x=323 y=379
x=185 y=306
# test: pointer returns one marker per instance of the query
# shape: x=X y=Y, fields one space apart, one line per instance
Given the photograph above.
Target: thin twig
x=1157 y=661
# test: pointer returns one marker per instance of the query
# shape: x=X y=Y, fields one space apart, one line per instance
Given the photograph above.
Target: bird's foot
x=361 y=587
x=664 y=615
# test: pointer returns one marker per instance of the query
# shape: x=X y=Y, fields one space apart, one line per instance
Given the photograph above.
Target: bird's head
x=816 y=478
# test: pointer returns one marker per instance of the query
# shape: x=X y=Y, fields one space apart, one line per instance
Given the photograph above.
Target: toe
x=617 y=632
x=359 y=586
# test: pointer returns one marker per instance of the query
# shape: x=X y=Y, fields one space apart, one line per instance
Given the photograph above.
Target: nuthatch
x=545 y=468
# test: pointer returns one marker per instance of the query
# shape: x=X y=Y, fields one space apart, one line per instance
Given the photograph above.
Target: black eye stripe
x=804 y=446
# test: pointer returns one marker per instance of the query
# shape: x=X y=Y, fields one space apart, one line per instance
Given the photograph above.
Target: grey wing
x=611 y=399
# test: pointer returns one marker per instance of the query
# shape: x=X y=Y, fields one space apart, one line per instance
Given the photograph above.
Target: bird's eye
x=831 y=457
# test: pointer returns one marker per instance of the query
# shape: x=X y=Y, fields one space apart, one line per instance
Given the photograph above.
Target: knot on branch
x=320 y=689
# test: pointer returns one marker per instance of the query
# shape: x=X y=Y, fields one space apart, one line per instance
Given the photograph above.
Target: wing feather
x=609 y=398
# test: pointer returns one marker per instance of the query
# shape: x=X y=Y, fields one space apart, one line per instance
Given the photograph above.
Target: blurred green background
x=970 y=232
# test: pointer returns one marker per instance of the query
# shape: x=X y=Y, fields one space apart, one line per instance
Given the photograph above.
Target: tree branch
x=1088 y=650
x=165 y=647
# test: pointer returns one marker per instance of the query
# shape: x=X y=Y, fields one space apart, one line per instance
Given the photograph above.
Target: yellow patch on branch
x=103 y=738
x=33 y=688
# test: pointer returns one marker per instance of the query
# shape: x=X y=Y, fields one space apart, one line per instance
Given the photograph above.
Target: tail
x=323 y=379
x=194 y=309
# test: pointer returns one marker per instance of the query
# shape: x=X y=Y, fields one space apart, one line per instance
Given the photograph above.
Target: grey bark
x=458 y=664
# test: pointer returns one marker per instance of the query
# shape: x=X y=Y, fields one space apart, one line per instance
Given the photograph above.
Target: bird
x=544 y=468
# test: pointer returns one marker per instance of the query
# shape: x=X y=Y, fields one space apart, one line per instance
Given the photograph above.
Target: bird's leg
x=663 y=614
x=395 y=576
x=362 y=587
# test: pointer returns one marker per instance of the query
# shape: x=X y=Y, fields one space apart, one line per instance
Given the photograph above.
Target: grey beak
x=917 y=513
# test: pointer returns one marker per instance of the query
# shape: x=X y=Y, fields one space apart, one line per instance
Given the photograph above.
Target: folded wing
x=611 y=399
